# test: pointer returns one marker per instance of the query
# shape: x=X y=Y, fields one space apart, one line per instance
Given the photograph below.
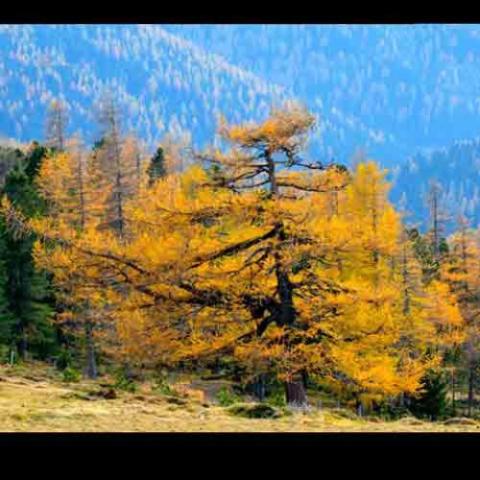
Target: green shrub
x=71 y=375
x=126 y=385
x=277 y=398
x=162 y=386
x=254 y=410
x=64 y=359
x=392 y=412
x=226 y=397
x=5 y=354
x=9 y=354
x=122 y=382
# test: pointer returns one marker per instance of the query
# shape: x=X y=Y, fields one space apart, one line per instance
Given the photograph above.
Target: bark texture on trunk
x=259 y=387
x=295 y=393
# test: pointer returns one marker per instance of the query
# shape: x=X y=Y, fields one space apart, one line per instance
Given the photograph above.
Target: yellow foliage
x=284 y=269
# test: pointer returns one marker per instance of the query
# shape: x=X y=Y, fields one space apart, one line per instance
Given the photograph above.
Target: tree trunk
x=305 y=378
x=23 y=345
x=454 y=408
x=128 y=371
x=296 y=394
x=12 y=356
x=471 y=381
x=260 y=387
x=91 y=358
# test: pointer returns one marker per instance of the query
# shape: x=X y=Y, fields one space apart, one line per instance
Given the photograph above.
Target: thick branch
x=237 y=247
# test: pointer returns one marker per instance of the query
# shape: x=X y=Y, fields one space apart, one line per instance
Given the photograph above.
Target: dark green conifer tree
x=24 y=291
x=432 y=403
x=157 y=169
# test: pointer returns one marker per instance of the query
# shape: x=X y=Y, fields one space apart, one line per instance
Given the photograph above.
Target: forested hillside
x=455 y=169
x=163 y=82
x=389 y=89
x=392 y=91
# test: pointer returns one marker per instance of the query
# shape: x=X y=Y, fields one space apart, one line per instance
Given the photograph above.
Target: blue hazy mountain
x=457 y=171
x=163 y=82
x=395 y=92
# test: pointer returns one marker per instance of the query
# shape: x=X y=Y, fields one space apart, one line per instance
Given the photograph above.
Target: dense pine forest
x=248 y=261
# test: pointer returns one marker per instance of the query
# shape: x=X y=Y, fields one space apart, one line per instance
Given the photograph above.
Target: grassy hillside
x=33 y=398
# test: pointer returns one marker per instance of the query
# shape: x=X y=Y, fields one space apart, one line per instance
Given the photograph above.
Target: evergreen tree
x=9 y=157
x=424 y=251
x=432 y=403
x=24 y=291
x=33 y=161
x=6 y=317
x=460 y=269
x=157 y=169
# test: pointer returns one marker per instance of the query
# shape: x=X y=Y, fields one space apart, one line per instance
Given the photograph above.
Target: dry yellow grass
x=41 y=404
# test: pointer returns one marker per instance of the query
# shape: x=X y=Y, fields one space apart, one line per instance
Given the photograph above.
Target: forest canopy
x=248 y=254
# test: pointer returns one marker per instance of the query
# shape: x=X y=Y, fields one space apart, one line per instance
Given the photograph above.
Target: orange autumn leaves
x=282 y=264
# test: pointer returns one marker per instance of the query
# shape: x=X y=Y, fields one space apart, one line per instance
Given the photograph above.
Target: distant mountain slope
x=391 y=90
x=456 y=169
x=164 y=82
x=387 y=89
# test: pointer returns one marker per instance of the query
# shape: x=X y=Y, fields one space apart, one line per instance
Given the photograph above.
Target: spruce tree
x=7 y=320
x=157 y=169
x=432 y=403
x=24 y=291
